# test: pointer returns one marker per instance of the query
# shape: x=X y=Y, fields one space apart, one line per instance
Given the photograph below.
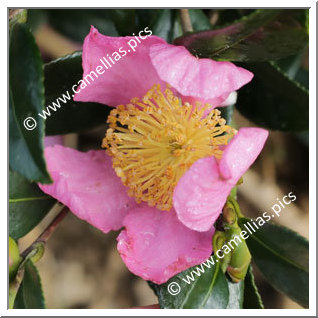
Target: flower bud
x=219 y=240
x=229 y=213
x=240 y=258
x=234 y=205
x=14 y=258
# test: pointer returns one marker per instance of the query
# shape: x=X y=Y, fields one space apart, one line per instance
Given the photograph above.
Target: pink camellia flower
x=171 y=161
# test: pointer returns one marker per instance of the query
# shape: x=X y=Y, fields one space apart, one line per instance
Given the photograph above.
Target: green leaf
x=36 y=18
x=273 y=100
x=30 y=294
x=236 y=295
x=296 y=68
x=264 y=35
x=163 y=22
x=28 y=205
x=227 y=16
x=125 y=21
x=26 y=98
x=144 y=17
x=60 y=76
x=14 y=285
x=34 y=253
x=293 y=69
x=252 y=298
x=166 y=25
x=282 y=256
x=199 y=20
x=76 y=23
x=209 y=290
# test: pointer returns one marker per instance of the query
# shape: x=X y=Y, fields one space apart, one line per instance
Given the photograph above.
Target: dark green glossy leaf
x=199 y=20
x=236 y=295
x=229 y=16
x=30 y=294
x=125 y=21
x=14 y=285
x=282 y=256
x=76 y=23
x=264 y=35
x=166 y=25
x=26 y=99
x=17 y=298
x=294 y=70
x=36 y=17
x=209 y=290
x=163 y=22
x=145 y=17
x=274 y=101
x=113 y=22
x=60 y=76
x=28 y=205
x=252 y=298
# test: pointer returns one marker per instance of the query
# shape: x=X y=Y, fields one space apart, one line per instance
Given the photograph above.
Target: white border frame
x=312 y=166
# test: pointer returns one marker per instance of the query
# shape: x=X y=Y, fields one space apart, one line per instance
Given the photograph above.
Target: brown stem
x=45 y=235
x=53 y=43
x=185 y=21
x=214 y=16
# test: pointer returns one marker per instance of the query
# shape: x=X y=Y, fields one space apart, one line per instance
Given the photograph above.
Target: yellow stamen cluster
x=154 y=141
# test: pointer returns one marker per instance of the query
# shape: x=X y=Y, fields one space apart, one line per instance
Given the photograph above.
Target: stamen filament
x=154 y=141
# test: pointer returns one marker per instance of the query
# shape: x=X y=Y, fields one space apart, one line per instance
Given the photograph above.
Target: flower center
x=153 y=142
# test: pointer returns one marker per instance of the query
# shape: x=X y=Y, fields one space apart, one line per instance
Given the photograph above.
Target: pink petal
x=202 y=79
x=88 y=185
x=241 y=152
x=131 y=76
x=202 y=191
x=156 y=246
x=200 y=195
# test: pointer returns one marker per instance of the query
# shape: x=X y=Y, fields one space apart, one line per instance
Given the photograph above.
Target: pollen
x=153 y=141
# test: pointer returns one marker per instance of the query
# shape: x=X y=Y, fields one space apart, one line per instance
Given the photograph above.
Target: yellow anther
x=154 y=140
